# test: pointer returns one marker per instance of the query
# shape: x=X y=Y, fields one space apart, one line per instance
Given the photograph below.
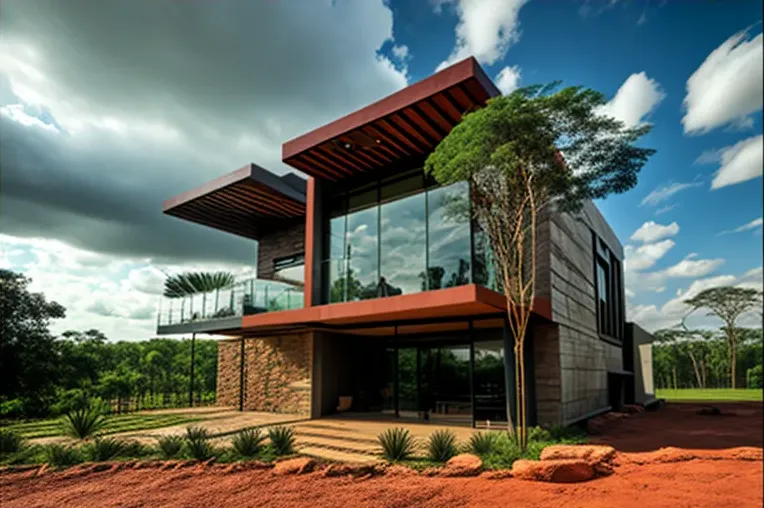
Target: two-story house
x=369 y=289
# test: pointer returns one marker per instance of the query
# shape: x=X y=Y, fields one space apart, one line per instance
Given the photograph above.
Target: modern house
x=371 y=296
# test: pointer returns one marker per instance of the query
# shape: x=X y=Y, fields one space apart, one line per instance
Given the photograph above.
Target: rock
x=299 y=465
x=633 y=408
x=498 y=474
x=354 y=470
x=398 y=470
x=593 y=454
x=431 y=471
x=464 y=464
x=555 y=471
x=42 y=470
x=709 y=411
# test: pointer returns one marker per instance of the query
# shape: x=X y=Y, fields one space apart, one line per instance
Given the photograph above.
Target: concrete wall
x=331 y=374
x=279 y=244
x=572 y=361
x=638 y=358
x=278 y=373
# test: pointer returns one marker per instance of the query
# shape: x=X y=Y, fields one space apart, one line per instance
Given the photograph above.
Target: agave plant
x=482 y=443
x=84 y=422
x=106 y=448
x=62 y=456
x=397 y=444
x=282 y=439
x=441 y=445
x=10 y=442
x=248 y=443
x=198 y=443
x=170 y=447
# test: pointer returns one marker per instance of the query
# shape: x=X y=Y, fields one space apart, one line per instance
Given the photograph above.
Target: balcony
x=223 y=309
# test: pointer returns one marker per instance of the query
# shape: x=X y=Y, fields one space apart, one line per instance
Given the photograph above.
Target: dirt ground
x=643 y=478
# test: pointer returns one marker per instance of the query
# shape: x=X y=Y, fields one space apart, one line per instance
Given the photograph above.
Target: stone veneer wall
x=282 y=243
x=277 y=373
x=571 y=360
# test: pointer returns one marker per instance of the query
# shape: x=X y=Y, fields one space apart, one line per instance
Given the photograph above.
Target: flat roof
x=248 y=202
x=394 y=131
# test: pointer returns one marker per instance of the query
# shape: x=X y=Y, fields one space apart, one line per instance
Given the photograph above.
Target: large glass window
x=448 y=236
x=395 y=237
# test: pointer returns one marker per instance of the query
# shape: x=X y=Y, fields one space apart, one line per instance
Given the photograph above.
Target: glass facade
x=398 y=236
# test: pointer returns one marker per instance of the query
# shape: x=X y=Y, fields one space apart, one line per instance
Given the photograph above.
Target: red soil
x=642 y=479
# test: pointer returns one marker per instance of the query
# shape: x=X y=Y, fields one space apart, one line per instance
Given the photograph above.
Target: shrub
x=248 y=443
x=62 y=456
x=106 y=448
x=442 y=445
x=503 y=452
x=28 y=454
x=83 y=423
x=282 y=439
x=134 y=449
x=539 y=434
x=567 y=434
x=12 y=408
x=482 y=443
x=753 y=377
x=198 y=443
x=170 y=447
x=397 y=444
x=10 y=442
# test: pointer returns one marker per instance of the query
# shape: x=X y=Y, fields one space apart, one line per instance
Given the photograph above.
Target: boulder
x=555 y=471
x=354 y=470
x=300 y=465
x=398 y=470
x=593 y=454
x=464 y=464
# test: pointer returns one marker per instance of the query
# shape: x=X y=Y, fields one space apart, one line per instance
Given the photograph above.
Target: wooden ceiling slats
x=462 y=100
x=414 y=132
x=397 y=134
x=305 y=160
x=330 y=158
x=448 y=106
x=262 y=192
x=234 y=200
x=430 y=110
x=387 y=142
x=310 y=169
x=259 y=201
x=418 y=114
x=475 y=92
x=354 y=155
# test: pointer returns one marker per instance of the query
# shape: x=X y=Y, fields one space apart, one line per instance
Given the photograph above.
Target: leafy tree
x=27 y=350
x=510 y=153
x=728 y=303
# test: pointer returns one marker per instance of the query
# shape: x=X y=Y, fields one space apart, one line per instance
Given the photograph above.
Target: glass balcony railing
x=252 y=296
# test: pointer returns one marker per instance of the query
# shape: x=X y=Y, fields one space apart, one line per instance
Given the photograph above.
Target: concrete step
x=333 y=434
x=339 y=445
x=338 y=456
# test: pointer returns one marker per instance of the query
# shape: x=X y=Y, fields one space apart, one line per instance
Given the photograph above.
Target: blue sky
x=99 y=126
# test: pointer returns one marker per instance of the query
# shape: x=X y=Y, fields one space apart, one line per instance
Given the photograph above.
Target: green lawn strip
x=114 y=424
x=710 y=395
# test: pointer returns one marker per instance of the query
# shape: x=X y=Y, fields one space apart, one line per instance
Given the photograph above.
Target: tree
x=521 y=154
x=691 y=343
x=727 y=303
x=27 y=350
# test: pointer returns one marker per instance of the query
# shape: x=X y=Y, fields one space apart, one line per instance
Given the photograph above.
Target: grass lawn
x=710 y=395
x=116 y=423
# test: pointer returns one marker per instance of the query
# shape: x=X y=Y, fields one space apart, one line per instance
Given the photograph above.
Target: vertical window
x=448 y=236
x=609 y=288
x=361 y=250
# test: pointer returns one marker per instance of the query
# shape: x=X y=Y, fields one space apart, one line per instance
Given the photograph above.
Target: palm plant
x=193 y=283
x=83 y=422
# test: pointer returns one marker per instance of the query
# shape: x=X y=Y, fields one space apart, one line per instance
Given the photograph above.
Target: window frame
x=610 y=327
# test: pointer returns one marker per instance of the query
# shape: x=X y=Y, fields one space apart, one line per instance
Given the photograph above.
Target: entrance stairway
x=334 y=441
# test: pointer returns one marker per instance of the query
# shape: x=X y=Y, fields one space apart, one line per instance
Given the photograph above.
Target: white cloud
x=740 y=162
x=635 y=100
x=665 y=209
x=749 y=226
x=508 y=79
x=690 y=267
x=645 y=256
x=486 y=29
x=727 y=86
x=661 y=194
x=652 y=231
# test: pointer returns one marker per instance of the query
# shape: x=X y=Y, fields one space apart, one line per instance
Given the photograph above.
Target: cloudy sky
x=109 y=107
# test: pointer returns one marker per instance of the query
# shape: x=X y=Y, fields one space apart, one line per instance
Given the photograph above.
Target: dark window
x=609 y=288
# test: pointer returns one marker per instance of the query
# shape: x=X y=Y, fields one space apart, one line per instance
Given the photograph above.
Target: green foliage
x=62 y=455
x=753 y=377
x=441 y=445
x=248 y=443
x=397 y=444
x=539 y=434
x=10 y=442
x=137 y=450
x=170 y=447
x=282 y=439
x=192 y=283
x=83 y=423
x=198 y=444
x=482 y=443
x=102 y=449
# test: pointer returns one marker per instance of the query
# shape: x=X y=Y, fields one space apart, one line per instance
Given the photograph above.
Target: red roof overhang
x=405 y=126
x=248 y=202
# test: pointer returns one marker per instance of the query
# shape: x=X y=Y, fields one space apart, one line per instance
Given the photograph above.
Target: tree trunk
x=673 y=372
x=695 y=368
